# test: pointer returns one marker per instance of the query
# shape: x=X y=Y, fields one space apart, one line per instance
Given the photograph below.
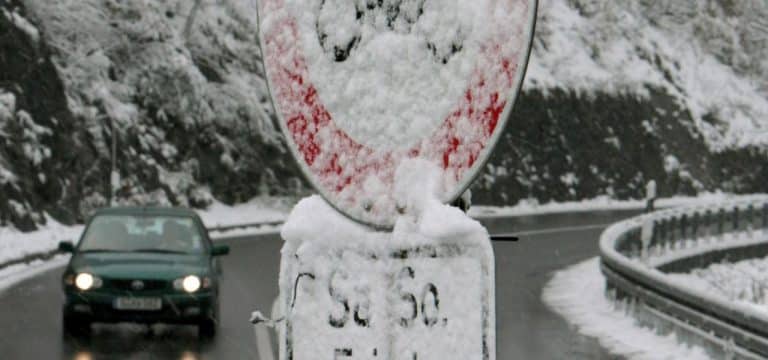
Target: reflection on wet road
x=30 y=313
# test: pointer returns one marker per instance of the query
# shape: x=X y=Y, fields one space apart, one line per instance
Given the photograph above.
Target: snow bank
x=578 y=294
x=260 y=209
x=603 y=203
x=743 y=282
x=15 y=245
x=14 y=274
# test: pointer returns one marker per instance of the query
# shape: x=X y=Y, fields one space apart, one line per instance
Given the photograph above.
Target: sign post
x=391 y=108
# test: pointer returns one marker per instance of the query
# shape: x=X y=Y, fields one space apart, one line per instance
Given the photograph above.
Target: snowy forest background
x=617 y=93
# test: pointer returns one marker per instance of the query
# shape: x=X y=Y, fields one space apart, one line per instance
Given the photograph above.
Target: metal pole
x=114 y=175
x=114 y=165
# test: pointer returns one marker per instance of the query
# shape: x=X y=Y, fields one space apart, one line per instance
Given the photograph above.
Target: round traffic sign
x=359 y=86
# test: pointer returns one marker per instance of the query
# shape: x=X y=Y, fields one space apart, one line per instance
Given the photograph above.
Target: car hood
x=140 y=265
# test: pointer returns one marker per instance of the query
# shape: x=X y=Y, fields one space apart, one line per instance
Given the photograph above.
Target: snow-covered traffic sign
x=423 y=291
x=423 y=303
x=359 y=86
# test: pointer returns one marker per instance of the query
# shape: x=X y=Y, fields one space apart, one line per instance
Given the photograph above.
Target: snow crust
x=578 y=294
x=357 y=262
x=391 y=90
x=313 y=225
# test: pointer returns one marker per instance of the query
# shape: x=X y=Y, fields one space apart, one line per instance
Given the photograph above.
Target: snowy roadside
x=18 y=249
x=530 y=208
x=17 y=246
x=258 y=210
x=578 y=294
x=26 y=254
x=743 y=282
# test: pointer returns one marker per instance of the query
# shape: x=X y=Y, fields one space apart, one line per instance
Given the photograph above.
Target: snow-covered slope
x=622 y=92
x=711 y=56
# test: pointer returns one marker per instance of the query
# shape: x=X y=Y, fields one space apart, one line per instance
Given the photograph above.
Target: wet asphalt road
x=30 y=312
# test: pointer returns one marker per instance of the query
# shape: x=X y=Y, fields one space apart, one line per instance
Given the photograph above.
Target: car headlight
x=86 y=281
x=191 y=283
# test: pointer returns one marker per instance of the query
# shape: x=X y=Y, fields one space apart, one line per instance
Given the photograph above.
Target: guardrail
x=635 y=254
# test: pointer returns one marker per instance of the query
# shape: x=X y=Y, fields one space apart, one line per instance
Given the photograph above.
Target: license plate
x=138 y=303
x=407 y=307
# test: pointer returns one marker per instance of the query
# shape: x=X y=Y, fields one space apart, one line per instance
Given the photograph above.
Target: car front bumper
x=179 y=308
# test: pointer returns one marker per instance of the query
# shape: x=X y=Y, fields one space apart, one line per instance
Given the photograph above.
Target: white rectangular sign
x=419 y=304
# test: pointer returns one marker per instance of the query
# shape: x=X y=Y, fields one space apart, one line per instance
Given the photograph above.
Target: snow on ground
x=17 y=245
x=257 y=210
x=578 y=294
x=742 y=282
x=12 y=275
x=532 y=207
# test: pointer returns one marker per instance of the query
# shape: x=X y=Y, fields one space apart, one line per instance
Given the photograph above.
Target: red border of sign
x=487 y=110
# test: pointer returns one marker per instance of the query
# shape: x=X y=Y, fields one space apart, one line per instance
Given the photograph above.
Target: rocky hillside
x=618 y=93
x=622 y=92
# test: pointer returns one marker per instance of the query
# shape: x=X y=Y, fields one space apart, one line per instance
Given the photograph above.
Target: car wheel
x=207 y=328
x=75 y=327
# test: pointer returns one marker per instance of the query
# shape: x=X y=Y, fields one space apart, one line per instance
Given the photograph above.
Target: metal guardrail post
x=683 y=233
x=654 y=238
x=720 y=222
x=765 y=215
x=672 y=232
x=662 y=236
x=695 y=226
x=735 y=219
x=707 y=222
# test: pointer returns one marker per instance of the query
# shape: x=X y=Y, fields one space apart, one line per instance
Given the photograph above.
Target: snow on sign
x=360 y=85
x=428 y=305
x=350 y=292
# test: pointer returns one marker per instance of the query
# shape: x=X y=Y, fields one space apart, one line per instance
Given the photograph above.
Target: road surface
x=526 y=328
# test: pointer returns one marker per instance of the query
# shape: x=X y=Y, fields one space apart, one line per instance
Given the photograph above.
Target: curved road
x=526 y=328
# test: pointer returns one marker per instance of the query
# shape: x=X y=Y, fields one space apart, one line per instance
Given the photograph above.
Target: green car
x=142 y=265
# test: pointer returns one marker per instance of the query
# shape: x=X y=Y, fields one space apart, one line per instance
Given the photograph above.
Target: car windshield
x=143 y=233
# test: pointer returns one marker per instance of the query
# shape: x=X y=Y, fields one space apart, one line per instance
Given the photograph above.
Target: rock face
x=174 y=86
x=44 y=152
x=618 y=93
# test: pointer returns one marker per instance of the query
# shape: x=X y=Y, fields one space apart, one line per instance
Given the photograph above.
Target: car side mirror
x=219 y=250
x=66 y=246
